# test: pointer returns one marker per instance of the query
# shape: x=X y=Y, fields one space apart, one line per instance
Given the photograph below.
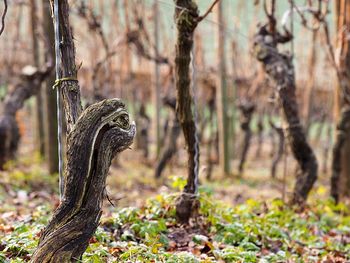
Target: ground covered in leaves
x=252 y=231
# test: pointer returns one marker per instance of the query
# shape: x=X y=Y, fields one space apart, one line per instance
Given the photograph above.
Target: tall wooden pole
x=49 y=97
x=156 y=90
x=36 y=56
x=223 y=124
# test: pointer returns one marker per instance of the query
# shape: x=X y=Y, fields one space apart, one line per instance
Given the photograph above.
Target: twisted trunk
x=92 y=144
x=94 y=137
x=28 y=86
x=280 y=69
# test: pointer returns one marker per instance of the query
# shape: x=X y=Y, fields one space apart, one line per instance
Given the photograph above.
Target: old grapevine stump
x=28 y=85
x=101 y=131
x=279 y=68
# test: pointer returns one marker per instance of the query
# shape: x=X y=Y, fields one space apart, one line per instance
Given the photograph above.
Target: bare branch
x=200 y=18
x=3 y=18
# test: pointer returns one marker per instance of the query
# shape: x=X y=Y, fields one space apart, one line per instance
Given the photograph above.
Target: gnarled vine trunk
x=28 y=85
x=279 y=68
x=101 y=131
x=94 y=138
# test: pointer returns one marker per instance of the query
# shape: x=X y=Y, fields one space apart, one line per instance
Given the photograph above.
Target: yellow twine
x=59 y=81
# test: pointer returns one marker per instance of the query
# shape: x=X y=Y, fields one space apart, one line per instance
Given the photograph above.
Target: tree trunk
x=280 y=70
x=277 y=157
x=211 y=141
x=39 y=96
x=29 y=85
x=186 y=15
x=260 y=125
x=223 y=119
x=247 y=109
x=94 y=137
x=341 y=148
x=144 y=126
x=170 y=147
x=156 y=89
x=50 y=97
x=170 y=143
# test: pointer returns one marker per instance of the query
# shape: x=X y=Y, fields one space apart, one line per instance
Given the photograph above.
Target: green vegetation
x=251 y=232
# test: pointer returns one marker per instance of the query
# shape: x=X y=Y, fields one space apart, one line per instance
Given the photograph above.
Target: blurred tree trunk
x=277 y=157
x=280 y=69
x=95 y=136
x=50 y=96
x=39 y=97
x=223 y=120
x=28 y=85
x=186 y=15
x=156 y=89
x=341 y=148
x=308 y=95
x=247 y=110
x=170 y=148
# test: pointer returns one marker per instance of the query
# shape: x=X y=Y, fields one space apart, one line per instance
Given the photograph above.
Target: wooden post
x=49 y=97
x=223 y=124
x=156 y=89
x=39 y=96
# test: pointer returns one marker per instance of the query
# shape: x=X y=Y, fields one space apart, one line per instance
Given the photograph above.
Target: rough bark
x=28 y=85
x=280 y=70
x=186 y=18
x=247 y=109
x=101 y=131
x=277 y=157
x=70 y=90
x=94 y=138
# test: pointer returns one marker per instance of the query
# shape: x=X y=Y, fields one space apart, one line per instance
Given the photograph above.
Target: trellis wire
x=195 y=113
x=58 y=100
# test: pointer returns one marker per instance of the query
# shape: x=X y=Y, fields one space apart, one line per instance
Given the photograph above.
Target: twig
x=3 y=18
x=200 y=18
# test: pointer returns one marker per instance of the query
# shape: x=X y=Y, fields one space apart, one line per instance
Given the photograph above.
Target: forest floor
x=241 y=218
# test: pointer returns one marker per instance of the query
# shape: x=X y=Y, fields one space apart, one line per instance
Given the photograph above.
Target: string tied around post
x=58 y=82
